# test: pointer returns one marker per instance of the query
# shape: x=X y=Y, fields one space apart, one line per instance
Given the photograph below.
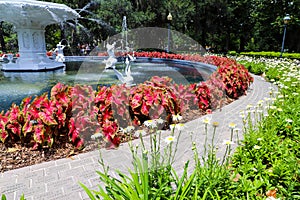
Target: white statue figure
x=111 y=61
x=59 y=52
x=128 y=79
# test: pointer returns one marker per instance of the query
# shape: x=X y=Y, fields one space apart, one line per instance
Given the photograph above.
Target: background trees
x=251 y=25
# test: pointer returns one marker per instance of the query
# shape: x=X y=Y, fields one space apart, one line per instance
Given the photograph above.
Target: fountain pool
x=14 y=86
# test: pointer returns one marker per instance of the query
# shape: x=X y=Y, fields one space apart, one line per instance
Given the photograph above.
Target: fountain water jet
x=30 y=26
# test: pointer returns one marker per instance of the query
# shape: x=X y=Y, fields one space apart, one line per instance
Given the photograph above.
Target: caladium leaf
x=145 y=109
x=37 y=102
x=15 y=128
x=28 y=126
x=47 y=118
x=25 y=104
x=14 y=113
x=38 y=135
x=3 y=132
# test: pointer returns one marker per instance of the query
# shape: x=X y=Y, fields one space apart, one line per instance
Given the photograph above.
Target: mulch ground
x=18 y=156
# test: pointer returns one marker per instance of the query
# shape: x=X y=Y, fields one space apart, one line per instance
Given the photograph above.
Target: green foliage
x=220 y=25
x=255 y=68
x=271 y=54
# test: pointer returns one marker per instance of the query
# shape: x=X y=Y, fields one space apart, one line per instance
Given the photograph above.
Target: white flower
x=172 y=126
x=150 y=123
x=256 y=147
x=206 y=119
x=169 y=139
x=259 y=111
x=260 y=102
x=227 y=142
x=289 y=120
x=128 y=129
x=259 y=139
x=249 y=106
x=139 y=133
x=232 y=125
x=215 y=124
x=96 y=135
x=160 y=121
x=176 y=118
x=242 y=114
x=179 y=127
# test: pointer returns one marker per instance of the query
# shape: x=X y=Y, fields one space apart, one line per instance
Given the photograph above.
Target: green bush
x=255 y=68
x=271 y=54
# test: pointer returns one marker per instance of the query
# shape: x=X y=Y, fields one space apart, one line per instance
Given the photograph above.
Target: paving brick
x=53 y=194
x=7 y=180
x=92 y=167
x=45 y=179
x=85 y=175
x=89 y=154
x=63 y=161
x=58 y=168
x=73 y=196
x=70 y=189
x=13 y=187
x=52 y=186
x=42 y=165
x=71 y=172
x=94 y=182
x=81 y=162
x=37 y=189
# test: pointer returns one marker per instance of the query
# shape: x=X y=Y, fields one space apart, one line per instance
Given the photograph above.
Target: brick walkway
x=59 y=179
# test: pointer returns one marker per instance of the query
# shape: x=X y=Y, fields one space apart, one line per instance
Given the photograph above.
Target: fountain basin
x=91 y=71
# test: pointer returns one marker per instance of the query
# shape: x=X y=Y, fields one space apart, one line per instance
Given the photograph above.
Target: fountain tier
x=30 y=19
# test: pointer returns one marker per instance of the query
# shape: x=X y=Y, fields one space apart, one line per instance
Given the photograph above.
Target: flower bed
x=75 y=113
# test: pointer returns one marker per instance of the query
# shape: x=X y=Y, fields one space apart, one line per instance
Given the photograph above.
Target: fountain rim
x=27 y=7
x=146 y=59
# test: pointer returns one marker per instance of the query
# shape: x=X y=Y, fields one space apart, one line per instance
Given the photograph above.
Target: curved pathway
x=59 y=179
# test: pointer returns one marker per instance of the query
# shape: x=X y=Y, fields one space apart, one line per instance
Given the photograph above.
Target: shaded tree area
x=241 y=25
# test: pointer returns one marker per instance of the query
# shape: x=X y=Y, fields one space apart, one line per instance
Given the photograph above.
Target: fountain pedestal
x=30 y=18
x=32 y=52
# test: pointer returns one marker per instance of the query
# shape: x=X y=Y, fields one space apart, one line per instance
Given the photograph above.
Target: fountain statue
x=59 y=52
x=30 y=17
x=127 y=79
x=111 y=61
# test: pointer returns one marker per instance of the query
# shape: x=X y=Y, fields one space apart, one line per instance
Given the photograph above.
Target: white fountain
x=30 y=18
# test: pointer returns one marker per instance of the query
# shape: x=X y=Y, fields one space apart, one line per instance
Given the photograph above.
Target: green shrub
x=271 y=54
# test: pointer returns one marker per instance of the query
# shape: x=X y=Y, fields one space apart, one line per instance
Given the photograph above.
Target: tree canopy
x=241 y=25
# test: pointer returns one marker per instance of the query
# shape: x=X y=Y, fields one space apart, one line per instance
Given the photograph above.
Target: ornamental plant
x=74 y=113
x=113 y=110
x=154 y=99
